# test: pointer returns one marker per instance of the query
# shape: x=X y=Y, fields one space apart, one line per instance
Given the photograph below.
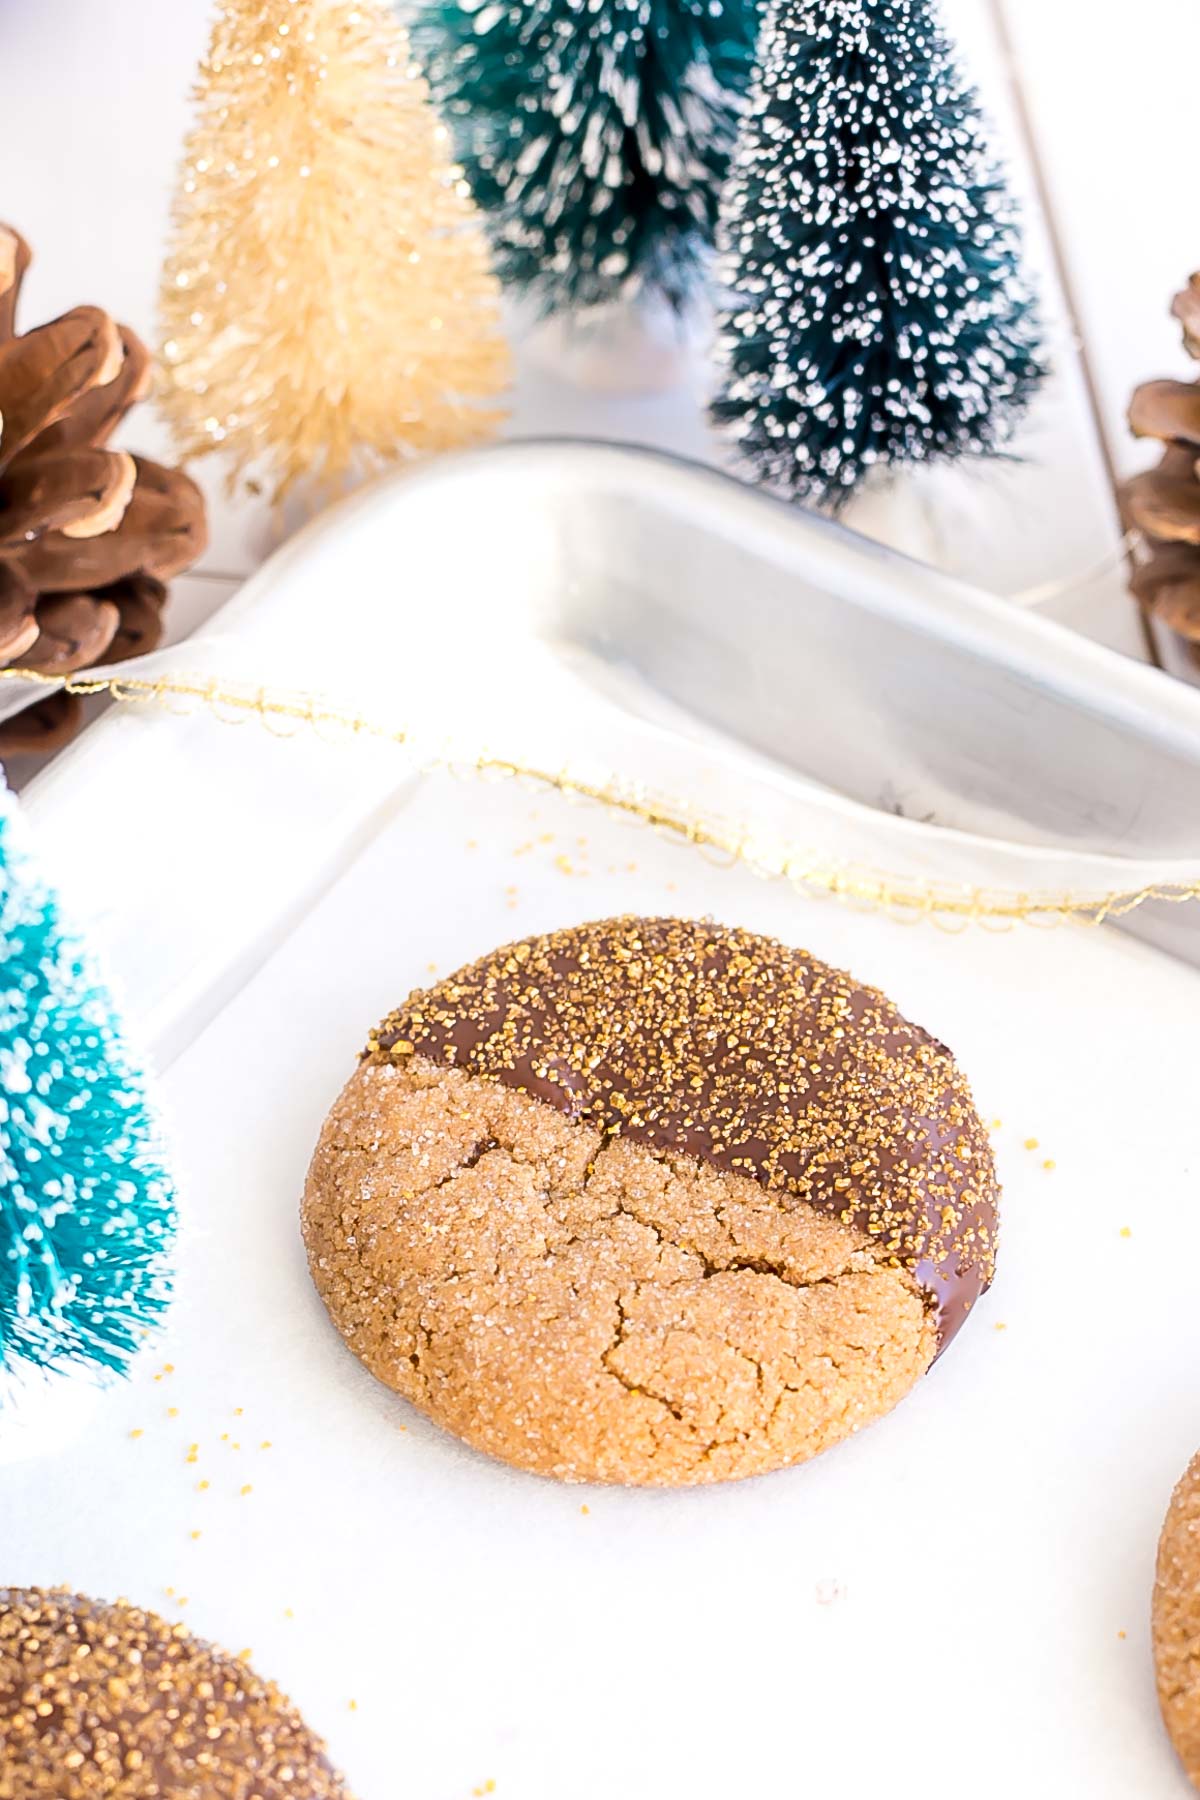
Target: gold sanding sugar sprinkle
x=740 y=1051
x=132 y=1689
x=1126 y=1231
x=266 y=1444
x=488 y=1787
x=1031 y=1143
x=193 y=1535
x=137 y=1433
x=172 y=1412
x=1049 y=1163
x=248 y=1489
x=201 y=1485
x=1121 y=1634
x=584 y=1509
x=353 y=1705
x=1000 y=1325
x=238 y=1411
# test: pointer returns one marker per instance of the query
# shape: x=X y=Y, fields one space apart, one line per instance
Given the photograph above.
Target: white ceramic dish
x=615 y=612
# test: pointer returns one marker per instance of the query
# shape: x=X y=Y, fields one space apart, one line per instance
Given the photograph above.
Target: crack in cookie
x=777 y=1186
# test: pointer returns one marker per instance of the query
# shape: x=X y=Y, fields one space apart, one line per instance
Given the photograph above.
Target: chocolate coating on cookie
x=731 y=1048
x=110 y=1701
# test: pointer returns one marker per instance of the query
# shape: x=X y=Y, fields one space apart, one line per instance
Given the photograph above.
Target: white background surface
x=936 y=1606
x=938 y=1602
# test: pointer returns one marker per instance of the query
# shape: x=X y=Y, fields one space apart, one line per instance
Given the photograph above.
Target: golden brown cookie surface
x=1176 y=1621
x=105 y=1702
x=651 y=1201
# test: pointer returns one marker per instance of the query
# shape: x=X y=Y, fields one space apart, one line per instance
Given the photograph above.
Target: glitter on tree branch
x=327 y=303
x=87 y=1210
x=873 y=310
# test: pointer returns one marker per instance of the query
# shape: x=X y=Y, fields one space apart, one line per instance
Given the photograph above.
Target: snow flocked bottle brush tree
x=873 y=310
x=595 y=134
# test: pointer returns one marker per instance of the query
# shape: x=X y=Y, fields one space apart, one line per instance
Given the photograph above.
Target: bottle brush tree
x=873 y=310
x=327 y=303
x=595 y=134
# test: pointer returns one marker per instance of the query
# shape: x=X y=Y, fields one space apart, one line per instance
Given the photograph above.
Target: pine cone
x=88 y=535
x=1164 y=502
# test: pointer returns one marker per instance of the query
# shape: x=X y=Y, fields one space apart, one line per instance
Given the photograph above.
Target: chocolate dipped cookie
x=652 y=1201
x=105 y=1702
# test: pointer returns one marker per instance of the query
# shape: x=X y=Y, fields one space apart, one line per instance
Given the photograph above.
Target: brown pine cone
x=1163 y=503
x=88 y=535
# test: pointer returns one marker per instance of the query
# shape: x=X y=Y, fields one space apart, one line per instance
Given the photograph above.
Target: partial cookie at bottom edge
x=111 y=1702
x=1176 y=1621
x=587 y=1308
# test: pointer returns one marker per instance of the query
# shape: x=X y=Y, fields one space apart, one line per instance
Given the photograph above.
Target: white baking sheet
x=955 y=1602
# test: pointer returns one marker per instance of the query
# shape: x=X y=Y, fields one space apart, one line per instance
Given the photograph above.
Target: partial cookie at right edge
x=1176 y=1621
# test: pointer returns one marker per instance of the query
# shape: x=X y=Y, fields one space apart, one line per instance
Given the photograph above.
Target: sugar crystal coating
x=745 y=1054
x=103 y=1702
x=1176 y=1620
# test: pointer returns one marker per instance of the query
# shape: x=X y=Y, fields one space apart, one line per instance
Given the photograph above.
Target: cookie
x=651 y=1201
x=1175 y=1621
x=110 y=1703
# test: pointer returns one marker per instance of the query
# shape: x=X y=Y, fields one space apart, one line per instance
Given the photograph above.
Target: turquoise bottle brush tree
x=87 y=1210
x=595 y=134
x=873 y=309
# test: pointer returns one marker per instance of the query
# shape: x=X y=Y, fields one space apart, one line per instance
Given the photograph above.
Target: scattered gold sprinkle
x=168 y=1368
x=193 y=1535
x=1126 y=1232
x=137 y=1433
x=288 y=1613
x=238 y=1411
x=353 y=1705
x=172 y=1412
x=1031 y=1143
x=266 y=1444
x=1049 y=1163
x=583 y=1509
x=1000 y=1325
x=1121 y=1634
x=248 y=1489
x=200 y=1486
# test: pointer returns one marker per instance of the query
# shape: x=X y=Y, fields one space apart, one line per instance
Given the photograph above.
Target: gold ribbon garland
x=952 y=907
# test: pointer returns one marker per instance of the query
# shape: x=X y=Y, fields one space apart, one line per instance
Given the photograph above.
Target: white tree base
x=640 y=347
